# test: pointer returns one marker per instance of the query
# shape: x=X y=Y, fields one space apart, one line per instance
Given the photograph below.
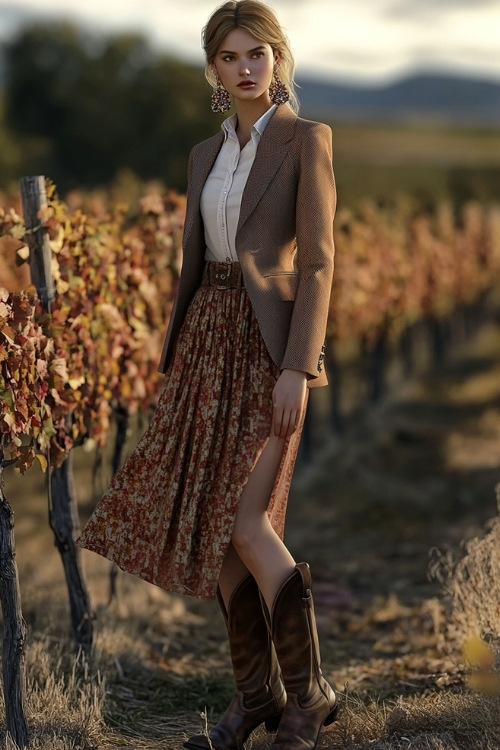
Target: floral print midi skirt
x=169 y=512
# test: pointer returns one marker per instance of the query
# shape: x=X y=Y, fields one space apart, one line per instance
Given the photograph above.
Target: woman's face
x=245 y=65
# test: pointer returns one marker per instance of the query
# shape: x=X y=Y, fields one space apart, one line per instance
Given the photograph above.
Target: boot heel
x=273 y=723
x=331 y=716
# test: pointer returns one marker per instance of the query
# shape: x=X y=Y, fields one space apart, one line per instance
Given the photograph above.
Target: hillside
x=426 y=97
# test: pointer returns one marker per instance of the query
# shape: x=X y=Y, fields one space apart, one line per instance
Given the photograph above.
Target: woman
x=199 y=507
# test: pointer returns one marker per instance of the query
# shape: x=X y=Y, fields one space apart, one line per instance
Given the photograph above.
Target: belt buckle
x=223 y=275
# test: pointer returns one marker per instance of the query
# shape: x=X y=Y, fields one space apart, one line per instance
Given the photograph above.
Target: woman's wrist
x=299 y=373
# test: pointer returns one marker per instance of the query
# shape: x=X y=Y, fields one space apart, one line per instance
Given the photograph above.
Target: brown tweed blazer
x=284 y=240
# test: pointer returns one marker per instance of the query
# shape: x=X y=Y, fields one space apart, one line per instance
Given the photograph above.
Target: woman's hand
x=289 y=395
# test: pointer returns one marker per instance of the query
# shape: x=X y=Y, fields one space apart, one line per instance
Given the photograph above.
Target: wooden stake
x=63 y=510
x=34 y=198
x=14 y=627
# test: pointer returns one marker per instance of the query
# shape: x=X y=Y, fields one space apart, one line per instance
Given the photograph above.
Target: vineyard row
x=62 y=371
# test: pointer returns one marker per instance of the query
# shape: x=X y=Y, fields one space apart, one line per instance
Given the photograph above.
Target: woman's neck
x=248 y=113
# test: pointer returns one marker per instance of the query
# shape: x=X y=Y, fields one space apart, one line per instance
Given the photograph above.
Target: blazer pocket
x=282 y=284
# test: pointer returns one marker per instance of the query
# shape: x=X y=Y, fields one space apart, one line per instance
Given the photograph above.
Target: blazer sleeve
x=315 y=210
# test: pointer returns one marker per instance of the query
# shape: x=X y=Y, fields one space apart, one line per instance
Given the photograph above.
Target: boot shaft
x=253 y=657
x=292 y=625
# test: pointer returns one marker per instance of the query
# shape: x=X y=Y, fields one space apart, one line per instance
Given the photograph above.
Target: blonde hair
x=259 y=20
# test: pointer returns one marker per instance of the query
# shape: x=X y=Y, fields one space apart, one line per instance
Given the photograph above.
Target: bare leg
x=255 y=545
x=232 y=573
x=260 y=696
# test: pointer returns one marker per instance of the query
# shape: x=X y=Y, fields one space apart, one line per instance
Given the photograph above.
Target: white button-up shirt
x=223 y=189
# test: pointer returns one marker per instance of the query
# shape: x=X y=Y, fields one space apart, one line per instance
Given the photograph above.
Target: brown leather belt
x=222 y=275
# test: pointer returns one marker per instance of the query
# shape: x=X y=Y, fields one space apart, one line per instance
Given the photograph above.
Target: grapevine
x=99 y=345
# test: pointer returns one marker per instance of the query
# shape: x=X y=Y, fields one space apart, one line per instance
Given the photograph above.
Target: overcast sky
x=368 y=40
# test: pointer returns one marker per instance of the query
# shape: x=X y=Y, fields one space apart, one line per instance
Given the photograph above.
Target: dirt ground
x=414 y=474
x=412 y=478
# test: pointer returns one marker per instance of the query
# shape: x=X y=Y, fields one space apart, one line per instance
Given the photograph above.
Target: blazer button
x=321 y=358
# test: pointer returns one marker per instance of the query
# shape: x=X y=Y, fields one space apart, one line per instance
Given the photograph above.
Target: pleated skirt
x=168 y=514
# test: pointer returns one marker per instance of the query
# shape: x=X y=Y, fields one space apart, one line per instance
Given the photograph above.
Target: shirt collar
x=229 y=125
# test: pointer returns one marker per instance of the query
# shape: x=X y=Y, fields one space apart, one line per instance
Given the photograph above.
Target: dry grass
x=65 y=706
x=160 y=664
x=473 y=585
x=435 y=722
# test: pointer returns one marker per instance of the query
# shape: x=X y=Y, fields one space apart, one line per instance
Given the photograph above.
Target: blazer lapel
x=202 y=164
x=271 y=151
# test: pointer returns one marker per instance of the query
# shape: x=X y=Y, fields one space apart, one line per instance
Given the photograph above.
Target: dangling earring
x=221 y=101
x=278 y=91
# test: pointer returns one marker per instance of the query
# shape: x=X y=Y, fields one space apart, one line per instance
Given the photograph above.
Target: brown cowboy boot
x=311 y=702
x=259 y=696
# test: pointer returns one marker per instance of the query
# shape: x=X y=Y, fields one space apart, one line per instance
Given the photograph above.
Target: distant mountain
x=464 y=101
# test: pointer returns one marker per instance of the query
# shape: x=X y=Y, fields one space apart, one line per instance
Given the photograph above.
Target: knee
x=244 y=539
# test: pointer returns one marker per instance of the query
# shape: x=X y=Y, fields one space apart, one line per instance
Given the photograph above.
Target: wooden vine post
x=34 y=197
x=14 y=627
x=63 y=511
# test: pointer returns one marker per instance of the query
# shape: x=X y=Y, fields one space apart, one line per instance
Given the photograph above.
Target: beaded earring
x=278 y=91
x=221 y=101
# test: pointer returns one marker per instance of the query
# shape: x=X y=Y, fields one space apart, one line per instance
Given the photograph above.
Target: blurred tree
x=10 y=151
x=99 y=105
x=473 y=183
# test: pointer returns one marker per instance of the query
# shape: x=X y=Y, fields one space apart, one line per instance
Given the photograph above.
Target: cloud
x=12 y=12
x=425 y=9
x=356 y=39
